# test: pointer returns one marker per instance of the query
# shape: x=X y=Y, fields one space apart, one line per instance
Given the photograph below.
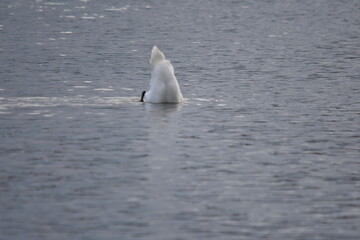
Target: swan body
x=164 y=87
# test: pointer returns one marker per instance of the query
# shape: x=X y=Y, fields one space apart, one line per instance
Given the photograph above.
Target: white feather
x=164 y=87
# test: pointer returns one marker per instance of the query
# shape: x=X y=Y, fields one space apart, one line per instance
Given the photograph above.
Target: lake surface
x=265 y=146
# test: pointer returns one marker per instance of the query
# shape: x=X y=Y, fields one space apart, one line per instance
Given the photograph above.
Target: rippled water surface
x=265 y=146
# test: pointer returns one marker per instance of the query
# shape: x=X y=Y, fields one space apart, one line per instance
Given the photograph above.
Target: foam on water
x=103 y=89
x=10 y=103
x=127 y=89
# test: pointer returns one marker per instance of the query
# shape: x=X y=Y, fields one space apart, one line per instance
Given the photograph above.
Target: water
x=266 y=145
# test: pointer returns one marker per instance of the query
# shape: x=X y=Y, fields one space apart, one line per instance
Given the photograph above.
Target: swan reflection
x=162 y=109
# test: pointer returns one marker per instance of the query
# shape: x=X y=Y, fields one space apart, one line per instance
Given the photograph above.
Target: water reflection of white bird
x=164 y=87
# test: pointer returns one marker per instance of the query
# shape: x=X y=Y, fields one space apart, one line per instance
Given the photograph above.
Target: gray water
x=265 y=146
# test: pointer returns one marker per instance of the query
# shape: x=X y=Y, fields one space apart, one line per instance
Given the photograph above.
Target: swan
x=164 y=88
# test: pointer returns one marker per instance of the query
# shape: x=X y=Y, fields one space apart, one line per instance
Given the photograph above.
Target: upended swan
x=164 y=88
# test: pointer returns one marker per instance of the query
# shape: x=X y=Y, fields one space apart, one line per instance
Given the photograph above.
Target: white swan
x=164 y=88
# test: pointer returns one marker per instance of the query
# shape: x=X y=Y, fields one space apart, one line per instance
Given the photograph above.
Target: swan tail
x=156 y=56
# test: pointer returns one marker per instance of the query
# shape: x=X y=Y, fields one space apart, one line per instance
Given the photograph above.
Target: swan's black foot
x=142 y=96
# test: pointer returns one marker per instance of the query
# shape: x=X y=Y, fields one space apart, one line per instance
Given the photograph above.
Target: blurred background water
x=266 y=145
